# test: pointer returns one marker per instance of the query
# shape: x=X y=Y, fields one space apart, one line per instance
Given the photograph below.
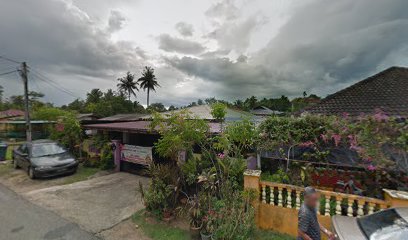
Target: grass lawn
x=163 y=231
x=159 y=231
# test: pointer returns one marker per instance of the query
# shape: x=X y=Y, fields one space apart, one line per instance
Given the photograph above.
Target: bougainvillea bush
x=369 y=136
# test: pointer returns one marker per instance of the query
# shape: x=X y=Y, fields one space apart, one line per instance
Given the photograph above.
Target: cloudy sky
x=228 y=49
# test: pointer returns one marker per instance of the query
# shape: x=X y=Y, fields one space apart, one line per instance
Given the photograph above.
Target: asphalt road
x=22 y=220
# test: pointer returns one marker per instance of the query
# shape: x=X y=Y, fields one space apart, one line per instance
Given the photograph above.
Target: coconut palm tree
x=128 y=85
x=148 y=81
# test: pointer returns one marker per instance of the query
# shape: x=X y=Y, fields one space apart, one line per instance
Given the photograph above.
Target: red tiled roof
x=387 y=90
x=11 y=113
x=137 y=126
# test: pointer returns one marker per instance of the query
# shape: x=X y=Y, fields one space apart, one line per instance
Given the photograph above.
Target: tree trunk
x=148 y=92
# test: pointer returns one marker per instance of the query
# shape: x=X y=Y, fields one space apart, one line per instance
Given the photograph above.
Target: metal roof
x=123 y=117
x=138 y=126
x=204 y=112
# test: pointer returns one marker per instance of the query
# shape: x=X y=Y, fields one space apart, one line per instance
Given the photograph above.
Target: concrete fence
x=278 y=204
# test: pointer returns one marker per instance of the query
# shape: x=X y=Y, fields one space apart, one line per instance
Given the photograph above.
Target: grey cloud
x=185 y=29
x=174 y=44
x=323 y=47
x=116 y=21
x=224 y=10
x=61 y=39
x=231 y=29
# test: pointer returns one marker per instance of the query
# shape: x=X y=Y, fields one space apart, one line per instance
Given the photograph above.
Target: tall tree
x=94 y=96
x=127 y=84
x=148 y=81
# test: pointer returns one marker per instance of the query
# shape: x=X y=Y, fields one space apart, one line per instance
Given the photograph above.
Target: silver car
x=389 y=224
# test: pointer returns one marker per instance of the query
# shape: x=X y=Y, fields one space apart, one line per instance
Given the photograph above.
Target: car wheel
x=31 y=173
x=15 y=164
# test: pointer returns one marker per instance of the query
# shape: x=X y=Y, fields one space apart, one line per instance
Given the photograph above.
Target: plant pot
x=205 y=236
x=195 y=232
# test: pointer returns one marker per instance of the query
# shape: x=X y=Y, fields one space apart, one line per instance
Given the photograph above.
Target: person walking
x=309 y=227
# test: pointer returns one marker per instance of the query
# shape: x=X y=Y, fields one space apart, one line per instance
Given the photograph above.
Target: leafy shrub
x=279 y=177
x=106 y=157
x=233 y=217
x=162 y=193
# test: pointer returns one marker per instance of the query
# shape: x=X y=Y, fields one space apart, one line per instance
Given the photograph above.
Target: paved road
x=22 y=220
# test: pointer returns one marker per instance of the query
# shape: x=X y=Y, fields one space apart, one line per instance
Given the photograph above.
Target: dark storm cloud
x=61 y=39
x=325 y=45
x=185 y=29
x=179 y=45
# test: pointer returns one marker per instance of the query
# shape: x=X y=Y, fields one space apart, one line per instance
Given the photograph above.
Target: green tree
x=218 y=111
x=128 y=85
x=94 y=96
x=148 y=81
x=157 y=107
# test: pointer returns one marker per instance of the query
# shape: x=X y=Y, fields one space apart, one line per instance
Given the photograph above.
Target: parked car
x=44 y=158
x=389 y=224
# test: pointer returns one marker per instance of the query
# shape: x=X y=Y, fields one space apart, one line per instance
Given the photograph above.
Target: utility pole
x=23 y=74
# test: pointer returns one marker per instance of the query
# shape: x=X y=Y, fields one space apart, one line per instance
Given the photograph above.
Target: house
x=122 y=118
x=386 y=91
x=137 y=139
x=204 y=112
x=264 y=111
x=11 y=114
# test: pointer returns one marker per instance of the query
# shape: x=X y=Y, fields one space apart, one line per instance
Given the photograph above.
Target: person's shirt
x=308 y=222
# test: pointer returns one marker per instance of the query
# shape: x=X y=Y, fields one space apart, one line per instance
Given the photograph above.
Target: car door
x=21 y=155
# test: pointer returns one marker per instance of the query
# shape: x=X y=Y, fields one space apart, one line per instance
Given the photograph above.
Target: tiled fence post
x=252 y=180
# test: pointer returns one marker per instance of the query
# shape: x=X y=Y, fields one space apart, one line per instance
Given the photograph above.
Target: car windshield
x=47 y=149
x=384 y=225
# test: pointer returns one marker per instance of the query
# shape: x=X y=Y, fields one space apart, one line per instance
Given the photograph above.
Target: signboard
x=137 y=154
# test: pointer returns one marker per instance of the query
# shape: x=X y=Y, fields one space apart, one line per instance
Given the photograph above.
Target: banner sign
x=137 y=154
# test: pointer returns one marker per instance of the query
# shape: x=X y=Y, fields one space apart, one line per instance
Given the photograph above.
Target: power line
x=9 y=59
x=53 y=84
x=5 y=73
x=50 y=80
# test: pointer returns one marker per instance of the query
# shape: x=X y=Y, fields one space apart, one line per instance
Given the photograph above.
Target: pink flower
x=345 y=115
x=221 y=155
x=371 y=167
x=380 y=115
x=337 y=139
x=324 y=137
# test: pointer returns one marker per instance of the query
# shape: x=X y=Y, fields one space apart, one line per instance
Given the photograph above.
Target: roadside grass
x=162 y=231
x=158 y=230
x=83 y=173
x=9 y=153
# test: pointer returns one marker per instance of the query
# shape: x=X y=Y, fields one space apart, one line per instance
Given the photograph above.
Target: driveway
x=21 y=220
x=97 y=204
